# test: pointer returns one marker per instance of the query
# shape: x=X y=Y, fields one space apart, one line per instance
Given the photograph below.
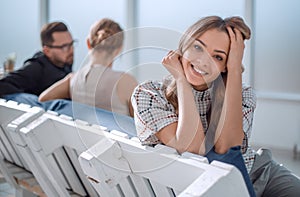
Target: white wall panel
x=276 y=73
x=277 y=46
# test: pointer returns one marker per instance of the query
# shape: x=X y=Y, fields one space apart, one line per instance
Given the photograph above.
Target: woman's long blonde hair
x=218 y=86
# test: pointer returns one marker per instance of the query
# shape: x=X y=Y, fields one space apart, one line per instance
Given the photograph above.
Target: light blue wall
x=179 y=15
x=19 y=27
x=80 y=15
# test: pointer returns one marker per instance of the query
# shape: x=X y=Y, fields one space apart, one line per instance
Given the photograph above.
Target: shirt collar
x=202 y=95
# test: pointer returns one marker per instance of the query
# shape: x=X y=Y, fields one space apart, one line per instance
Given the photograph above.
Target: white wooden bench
x=49 y=170
x=117 y=166
x=53 y=143
x=111 y=164
x=12 y=164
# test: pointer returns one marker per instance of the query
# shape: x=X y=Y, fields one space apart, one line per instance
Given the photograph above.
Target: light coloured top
x=153 y=112
x=97 y=85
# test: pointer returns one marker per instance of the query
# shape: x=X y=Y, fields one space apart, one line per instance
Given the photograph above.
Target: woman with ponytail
x=96 y=83
x=202 y=106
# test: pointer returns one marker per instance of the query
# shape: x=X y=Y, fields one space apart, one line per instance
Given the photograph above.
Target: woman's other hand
x=236 y=52
x=172 y=62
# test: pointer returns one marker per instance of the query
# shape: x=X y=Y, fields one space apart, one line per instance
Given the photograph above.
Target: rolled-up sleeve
x=249 y=105
x=152 y=111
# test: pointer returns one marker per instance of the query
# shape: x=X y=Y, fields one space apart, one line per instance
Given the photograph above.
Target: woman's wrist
x=236 y=70
x=182 y=80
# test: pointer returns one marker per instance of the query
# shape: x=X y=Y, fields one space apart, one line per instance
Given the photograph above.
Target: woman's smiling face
x=205 y=58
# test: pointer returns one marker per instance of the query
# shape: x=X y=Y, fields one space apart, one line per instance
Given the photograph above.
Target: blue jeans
x=235 y=158
x=33 y=100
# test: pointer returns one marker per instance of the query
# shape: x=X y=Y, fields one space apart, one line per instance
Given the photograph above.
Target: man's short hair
x=48 y=29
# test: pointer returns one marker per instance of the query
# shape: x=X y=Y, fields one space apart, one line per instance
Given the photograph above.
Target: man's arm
x=21 y=80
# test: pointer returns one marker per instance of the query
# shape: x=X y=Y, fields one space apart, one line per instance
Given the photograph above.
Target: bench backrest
x=117 y=166
x=11 y=158
x=110 y=162
x=55 y=143
x=54 y=168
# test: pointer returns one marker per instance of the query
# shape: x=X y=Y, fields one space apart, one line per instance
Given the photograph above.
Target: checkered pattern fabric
x=153 y=112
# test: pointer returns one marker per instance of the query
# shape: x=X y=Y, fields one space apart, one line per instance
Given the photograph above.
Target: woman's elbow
x=178 y=147
x=181 y=150
x=222 y=148
x=185 y=148
x=42 y=99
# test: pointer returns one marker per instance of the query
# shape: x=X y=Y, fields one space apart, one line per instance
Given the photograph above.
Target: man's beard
x=60 y=63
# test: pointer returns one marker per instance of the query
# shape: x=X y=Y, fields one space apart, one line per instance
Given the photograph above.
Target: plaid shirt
x=153 y=112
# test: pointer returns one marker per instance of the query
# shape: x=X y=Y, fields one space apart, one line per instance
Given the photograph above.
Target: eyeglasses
x=64 y=47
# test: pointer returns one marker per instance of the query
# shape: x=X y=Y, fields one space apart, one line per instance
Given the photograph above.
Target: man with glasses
x=46 y=67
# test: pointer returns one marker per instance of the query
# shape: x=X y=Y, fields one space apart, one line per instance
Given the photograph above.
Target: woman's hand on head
x=172 y=62
x=236 y=52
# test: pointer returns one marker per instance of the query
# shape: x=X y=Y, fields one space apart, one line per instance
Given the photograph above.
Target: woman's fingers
x=236 y=37
x=234 y=33
x=173 y=63
x=237 y=46
x=231 y=33
x=238 y=34
x=171 y=58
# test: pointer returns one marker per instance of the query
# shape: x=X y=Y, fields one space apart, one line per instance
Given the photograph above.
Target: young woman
x=203 y=108
x=96 y=83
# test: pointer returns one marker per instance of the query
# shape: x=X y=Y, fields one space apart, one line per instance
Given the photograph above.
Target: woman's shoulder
x=151 y=85
x=149 y=89
x=80 y=73
x=248 y=89
x=125 y=77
